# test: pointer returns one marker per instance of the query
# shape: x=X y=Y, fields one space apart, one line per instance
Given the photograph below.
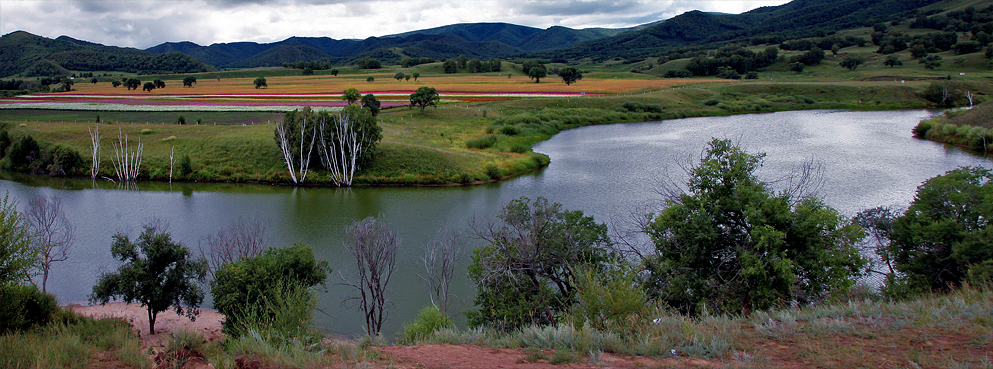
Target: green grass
x=72 y=342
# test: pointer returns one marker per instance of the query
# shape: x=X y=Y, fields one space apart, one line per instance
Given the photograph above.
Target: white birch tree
x=340 y=153
x=128 y=158
x=304 y=149
x=95 y=151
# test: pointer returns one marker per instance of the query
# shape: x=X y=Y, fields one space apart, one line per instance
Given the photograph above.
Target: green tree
x=67 y=83
x=537 y=73
x=416 y=75
x=892 y=61
x=852 y=62
x=18 y=257
x=351 y=95
x=944 y=237
x=148 y=86
x=369 y=101
x=115 y=83
x=796 y=67
x=189 y=81
x=308 y=71
x=731 y=244
x=450 y=66
x=93 y=80
x=461 y=60
x=918 y=51
x=526 y=273
x=334 y=72
x=132 y=84
x=243 y=289
x=398 y=76
x=424 y=97
x=370 y=79
x=474 y=66
x=931 y=61
x=260 y=82
x=159 y=83
x=156 y=272
x=570 y=75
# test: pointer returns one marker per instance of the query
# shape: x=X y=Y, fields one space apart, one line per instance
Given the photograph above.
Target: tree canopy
x=424 y=97
x=351 y=95
x=944 y=237
x=18 y=257
x=570 y=75
x=731 y=244
x=157 y=272
x=260 y=82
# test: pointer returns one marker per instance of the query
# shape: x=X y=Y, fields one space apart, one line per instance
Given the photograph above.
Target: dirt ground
x=208 y=323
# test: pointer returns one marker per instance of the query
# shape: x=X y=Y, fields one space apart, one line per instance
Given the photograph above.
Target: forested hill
x=32 y=55
x=21 y=52
x=474 y=40
x=773 y=24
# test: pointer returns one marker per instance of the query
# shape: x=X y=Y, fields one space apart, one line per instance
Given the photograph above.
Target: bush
x=428 y=321
x=492 y=171
x=680 y=73
x=24 y=307
x=271 y=290
x=635 y=106
x=943 y=238
x=482 y=142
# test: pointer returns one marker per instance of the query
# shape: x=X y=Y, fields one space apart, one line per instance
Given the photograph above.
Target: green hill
x=32 y=55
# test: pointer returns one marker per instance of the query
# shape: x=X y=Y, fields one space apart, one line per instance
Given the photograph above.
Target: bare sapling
x=128 y=158
x=52 y=232
x=245 y=238
x=441 y=255
x=95 y=151
x=172 y=161
x=374 y=248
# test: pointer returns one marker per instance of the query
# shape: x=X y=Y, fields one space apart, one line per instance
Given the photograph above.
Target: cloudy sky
x=143 y=24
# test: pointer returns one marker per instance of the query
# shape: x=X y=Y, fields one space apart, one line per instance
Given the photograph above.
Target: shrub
x=635 y=106
x=492 y=171
x=428 y=321
x=519 y=148
x=482 y=142
x=711 y=102
x=24 y=307
x=269 y=291
x=679 y=73
x=509 y=130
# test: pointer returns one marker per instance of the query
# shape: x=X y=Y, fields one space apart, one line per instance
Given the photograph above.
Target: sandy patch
x=208 y=323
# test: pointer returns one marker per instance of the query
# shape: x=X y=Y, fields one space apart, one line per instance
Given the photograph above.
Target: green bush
x=634 y=106
x=272 y=290
x=24 y=307
x=428 y=321
x=608 y=300
x=492 y=171
x=482 y=142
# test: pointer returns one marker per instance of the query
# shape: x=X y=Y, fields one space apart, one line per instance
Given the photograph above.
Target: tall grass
x=70 y=343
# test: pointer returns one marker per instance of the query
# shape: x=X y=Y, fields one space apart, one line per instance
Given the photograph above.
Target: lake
x=865 y=159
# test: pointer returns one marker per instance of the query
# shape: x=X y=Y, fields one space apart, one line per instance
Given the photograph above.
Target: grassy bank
x=456 y=143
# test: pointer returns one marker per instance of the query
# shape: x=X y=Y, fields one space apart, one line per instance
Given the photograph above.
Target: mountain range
x=22 y=52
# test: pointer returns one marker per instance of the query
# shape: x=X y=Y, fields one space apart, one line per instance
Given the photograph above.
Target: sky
x=143 y=24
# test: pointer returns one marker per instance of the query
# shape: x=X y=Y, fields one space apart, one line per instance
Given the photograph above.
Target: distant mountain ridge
x=796 y=19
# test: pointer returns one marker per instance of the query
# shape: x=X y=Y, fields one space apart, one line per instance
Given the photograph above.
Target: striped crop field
x=319 y=92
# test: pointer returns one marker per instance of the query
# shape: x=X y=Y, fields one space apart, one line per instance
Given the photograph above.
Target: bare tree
x=878 y=225
x=172 y=161
x=245 y=238
x=95 y=151
x=285 y=147
x=374 y=247
x=969 y=95
x=52 y=232
x=439 y=260
x=340 y=155
x=128 y=159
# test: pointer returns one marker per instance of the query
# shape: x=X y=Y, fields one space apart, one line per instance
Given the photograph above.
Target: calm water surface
x=867 y=159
